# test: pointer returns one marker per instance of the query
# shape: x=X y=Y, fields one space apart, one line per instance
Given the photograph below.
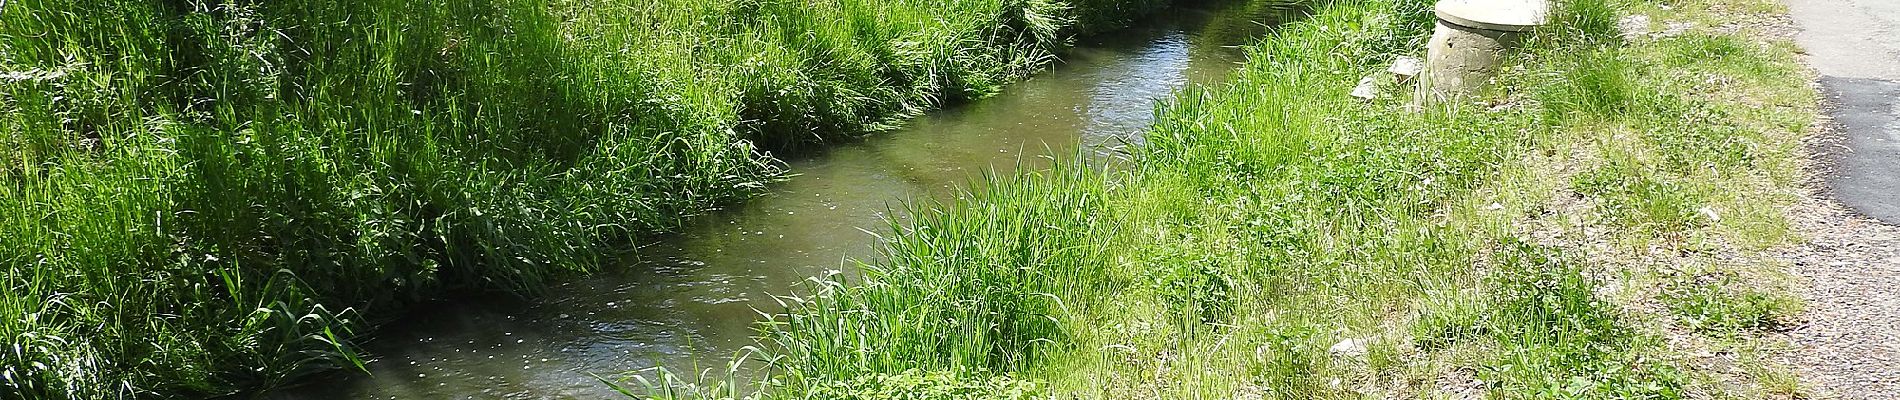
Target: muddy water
x=693 y=294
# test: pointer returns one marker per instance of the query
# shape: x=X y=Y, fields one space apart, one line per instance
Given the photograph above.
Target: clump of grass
x=1587 y=21
x=1597 y=83
x=967 y=287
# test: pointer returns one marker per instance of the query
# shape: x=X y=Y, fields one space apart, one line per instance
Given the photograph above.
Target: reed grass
x=1275 y=238
x=210 y=197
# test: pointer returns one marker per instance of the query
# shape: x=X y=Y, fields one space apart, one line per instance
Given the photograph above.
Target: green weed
x=1559 y=340
x=1719 y=304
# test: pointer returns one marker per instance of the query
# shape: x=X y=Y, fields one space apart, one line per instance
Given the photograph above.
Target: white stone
x=1633 y=26
x=1672 y=29
x=1367 y=89
x=1406 y=67
x=1349 y=347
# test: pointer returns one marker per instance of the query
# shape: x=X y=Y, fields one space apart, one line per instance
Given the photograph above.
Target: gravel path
x=1850 y=341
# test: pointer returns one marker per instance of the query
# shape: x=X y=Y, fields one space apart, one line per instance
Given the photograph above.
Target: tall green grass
x=207 y=197
x=1275 y=238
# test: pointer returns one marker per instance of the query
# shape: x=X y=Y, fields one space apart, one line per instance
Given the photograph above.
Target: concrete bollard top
x=1495 y=15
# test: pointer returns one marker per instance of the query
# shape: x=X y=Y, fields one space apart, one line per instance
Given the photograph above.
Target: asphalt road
x=1855 y=45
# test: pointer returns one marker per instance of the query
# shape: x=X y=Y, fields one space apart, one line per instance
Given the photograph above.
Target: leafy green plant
x=922 y=385
x=1561 y=341
x=1197 y=290
x=1718 y=304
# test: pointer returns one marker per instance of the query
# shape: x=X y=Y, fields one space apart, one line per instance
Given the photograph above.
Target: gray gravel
x=1849 y=343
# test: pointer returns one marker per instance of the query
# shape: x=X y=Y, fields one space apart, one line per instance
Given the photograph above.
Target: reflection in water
x=1121 y=103
x=695 y=293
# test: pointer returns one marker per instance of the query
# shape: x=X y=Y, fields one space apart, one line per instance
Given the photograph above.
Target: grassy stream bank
x=1595 y=227
x=201 y=198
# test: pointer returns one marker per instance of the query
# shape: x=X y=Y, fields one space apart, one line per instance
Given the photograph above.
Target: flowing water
x=694 y=294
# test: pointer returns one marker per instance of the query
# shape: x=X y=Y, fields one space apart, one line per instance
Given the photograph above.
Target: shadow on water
x=695 y=293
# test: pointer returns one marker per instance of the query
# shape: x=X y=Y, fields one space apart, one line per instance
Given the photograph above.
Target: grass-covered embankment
x=1592 y=228
x=202 y=197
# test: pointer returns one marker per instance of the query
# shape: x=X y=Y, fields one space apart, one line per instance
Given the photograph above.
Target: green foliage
x=1196 y=290
x=1636 y=196
x=1560 y=341
x=1585 y=21
x=1594 y=83
x=1719 y=304
x=209 y=197
x=1729 y=56
x=1698 y=48
x=919 y=385
x=1555 y=337
x=1448 y=320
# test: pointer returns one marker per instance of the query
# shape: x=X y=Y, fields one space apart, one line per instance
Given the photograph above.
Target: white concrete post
x=1472 y=36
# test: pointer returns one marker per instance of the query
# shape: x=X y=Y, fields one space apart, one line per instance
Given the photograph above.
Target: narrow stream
x=693 y=294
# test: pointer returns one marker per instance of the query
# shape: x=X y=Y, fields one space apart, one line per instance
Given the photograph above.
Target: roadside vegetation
x=1594 y=227
x=203 y=197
